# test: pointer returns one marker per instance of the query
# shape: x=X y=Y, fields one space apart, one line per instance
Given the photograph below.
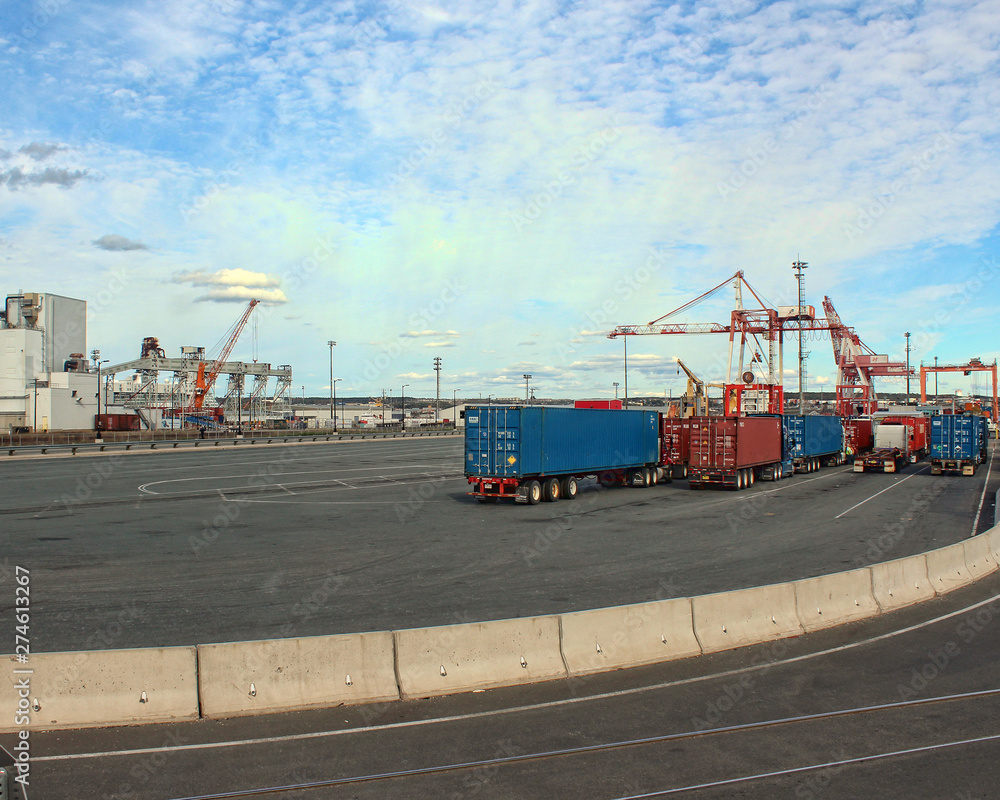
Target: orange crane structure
x=974 y=365
x=762 y=328
x=205 y=379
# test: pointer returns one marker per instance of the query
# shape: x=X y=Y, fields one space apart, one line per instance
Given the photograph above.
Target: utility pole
x=798 y=266
x=331 y=344
x=527 y=377
x=437 y=403
x=335 y=380
x=935 y=380
x=907 y=335
x=402 y=407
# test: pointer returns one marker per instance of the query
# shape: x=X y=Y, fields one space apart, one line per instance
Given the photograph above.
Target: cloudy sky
x=498 y=184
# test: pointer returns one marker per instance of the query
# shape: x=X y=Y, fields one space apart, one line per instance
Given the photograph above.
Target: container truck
x=734 y=452
x=534 y=453
x=958 y=443
x=816 y=441
x=891 y=449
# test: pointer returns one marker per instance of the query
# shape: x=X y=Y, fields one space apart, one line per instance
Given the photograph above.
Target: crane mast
x=205 y=379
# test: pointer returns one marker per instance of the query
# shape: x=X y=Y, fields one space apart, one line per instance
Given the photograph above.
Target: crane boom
x=206 y=377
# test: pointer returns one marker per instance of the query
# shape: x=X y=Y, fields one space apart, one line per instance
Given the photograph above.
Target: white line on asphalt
x=886 y=489
x=730 y=673
x=982 y=497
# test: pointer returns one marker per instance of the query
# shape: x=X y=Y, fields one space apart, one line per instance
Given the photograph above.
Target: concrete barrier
x=478 y=655
x=747 y=616
x=100 y=688
x=627 y=636
x=993 y=535
x=901 y=583
x=284 y=674
x=979 y=558
x=835 y=599
x=947 y=569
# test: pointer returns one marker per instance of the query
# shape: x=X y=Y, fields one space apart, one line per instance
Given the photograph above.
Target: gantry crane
x=974 y=365
x=857 y=363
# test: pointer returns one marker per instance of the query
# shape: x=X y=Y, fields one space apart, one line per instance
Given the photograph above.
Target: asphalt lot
x=180 y=548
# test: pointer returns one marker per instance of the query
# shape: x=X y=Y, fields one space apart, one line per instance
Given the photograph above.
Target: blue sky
x=499 y=184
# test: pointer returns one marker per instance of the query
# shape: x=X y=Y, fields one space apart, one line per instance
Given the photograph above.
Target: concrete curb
x=122 y=687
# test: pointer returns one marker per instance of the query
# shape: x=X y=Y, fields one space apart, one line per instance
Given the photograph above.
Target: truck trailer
x=891 y=450
x=958 y=443
x=733 y=452
x=859 y=436
x=675 y=445
x=816 y=441
x=534 y=453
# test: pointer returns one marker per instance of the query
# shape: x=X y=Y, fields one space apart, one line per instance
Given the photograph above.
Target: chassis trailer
x=534 y=453
x=958 y=443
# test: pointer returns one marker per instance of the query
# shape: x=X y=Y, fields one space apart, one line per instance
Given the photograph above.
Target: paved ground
x=902 y=706
x=186 y=548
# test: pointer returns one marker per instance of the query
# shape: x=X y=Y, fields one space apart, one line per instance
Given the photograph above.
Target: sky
x=500 y=184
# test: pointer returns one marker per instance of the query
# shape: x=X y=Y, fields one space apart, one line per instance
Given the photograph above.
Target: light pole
x=615 y=384
x=935 y=380
x=454 y=407
x=335 y=382
x=907 y=335
x=527 y=377
x=331 y=344
x=402 y=407
x=437 y=403
x=798 y=266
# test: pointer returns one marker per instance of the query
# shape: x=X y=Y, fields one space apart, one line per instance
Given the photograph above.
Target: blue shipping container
x=813 y=436
x=958 y=437
x=520 y=441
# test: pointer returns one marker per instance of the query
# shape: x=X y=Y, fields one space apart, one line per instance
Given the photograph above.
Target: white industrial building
x=46 y=382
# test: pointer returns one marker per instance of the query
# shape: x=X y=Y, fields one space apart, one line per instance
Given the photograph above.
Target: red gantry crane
x=974 y=365
x=857 y=363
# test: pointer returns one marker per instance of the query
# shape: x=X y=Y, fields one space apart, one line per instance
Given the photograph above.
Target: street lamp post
x=615 y=384
x=907 y=335
x=527 y=377
x=454 y=407
x=335 y=382
x=402 y=407
x=331 y=345
x=798 y=266
x=935 y=379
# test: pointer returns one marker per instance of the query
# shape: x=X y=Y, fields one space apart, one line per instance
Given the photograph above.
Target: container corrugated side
x=735 y=442
x=956 y=437
x=543 y=440
x=815 y=435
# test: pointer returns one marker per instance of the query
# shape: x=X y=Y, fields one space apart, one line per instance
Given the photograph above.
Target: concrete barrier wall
x=947 y=569
x=979 y=558
x=627 y=636
x=101 y=687
x=286 y=674
x=901 y=583
x=480 y=655
x=835 y=599
x=748 y=616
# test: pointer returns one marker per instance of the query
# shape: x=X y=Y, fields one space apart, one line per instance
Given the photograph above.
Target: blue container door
x=492 y=441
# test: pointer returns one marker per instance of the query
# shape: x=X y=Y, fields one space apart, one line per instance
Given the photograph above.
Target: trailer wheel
x=647 y=477
x=569 y=487
x=753 y=476
x=607 y=479
x=550 y=490
x=739 y=479
x=534 y=490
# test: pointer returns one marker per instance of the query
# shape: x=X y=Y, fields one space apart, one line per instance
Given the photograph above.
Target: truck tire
x=569 y=487
x=607 y=479
x=551 y=490
x=647 y=477
x=534 y=492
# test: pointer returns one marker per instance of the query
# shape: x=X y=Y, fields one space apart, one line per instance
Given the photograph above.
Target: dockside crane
x=974 y=365
x=205 y=379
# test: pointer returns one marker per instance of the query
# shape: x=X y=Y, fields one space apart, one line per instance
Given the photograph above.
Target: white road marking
x=975 y=525
x=886 y=489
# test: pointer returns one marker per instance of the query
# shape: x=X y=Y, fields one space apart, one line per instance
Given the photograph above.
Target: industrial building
x=46 y=382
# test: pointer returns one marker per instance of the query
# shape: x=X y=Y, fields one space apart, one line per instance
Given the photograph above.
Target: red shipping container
x=730 y=443
x=859 y=434
x=920 y=427
x=675 y=440
x=609 y=404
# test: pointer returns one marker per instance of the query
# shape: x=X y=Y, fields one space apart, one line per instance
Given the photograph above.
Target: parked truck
x=958 y=443
x=918 y=433
x=891 y=450
x=535 y=453
x=816 y=441
x=734 y=452
x=675 y=445
x=859 y=436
